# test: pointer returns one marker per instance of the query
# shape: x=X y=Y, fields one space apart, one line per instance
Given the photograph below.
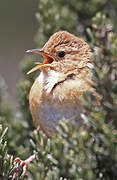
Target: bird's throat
x=48 y=80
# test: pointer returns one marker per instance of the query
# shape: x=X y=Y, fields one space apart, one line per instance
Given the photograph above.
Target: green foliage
x=6 y=161
x=104 y=117
x=73 y=154
x=5 y=110
x=74 y=16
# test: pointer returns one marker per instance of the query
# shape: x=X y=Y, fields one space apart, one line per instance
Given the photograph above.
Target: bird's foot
x=22 y=165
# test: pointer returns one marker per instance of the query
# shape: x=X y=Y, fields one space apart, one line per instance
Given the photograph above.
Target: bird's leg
x=22 y=165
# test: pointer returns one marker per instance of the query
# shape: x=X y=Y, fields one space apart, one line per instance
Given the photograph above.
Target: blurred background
x=18 y=26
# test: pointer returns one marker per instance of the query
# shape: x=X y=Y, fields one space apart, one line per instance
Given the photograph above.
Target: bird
x=66 y=73
x=64 y=77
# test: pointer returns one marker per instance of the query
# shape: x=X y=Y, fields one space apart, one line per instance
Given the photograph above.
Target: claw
x=22 y=165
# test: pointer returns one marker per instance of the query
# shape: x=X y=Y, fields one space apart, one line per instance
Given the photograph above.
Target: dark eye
x=61 y=54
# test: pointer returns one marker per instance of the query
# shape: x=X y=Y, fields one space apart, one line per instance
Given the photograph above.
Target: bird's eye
x=61 y=54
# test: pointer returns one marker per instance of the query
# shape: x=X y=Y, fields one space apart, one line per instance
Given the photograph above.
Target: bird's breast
x=48 y=114
x=49 y=107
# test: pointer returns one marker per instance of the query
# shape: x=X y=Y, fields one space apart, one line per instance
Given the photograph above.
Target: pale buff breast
x=51 y=113
x=49 y=106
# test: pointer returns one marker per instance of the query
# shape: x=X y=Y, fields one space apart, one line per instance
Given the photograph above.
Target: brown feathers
x=57 y=91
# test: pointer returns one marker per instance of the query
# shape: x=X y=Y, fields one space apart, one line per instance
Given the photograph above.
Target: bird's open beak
x=47 y=59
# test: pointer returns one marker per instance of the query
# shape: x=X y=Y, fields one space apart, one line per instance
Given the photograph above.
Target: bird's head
x=63 y=51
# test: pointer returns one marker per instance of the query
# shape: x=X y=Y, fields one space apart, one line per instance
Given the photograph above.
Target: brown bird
x=65 y=75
